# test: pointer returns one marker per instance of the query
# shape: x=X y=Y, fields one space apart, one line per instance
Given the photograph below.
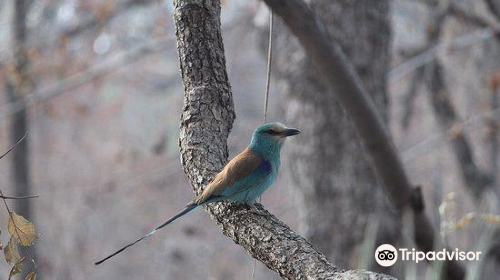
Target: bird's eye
x=272 y=132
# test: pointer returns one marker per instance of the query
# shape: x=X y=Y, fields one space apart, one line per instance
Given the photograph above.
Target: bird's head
x=270 y=137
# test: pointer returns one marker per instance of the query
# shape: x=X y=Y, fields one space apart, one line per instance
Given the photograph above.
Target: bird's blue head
x=268 y=139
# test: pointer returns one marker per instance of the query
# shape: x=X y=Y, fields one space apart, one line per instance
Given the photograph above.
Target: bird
x=244 y=179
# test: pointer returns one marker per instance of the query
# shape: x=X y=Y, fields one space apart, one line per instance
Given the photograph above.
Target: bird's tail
x=190 y=207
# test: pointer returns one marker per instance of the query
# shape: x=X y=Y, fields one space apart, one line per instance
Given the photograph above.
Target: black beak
x=291 y=132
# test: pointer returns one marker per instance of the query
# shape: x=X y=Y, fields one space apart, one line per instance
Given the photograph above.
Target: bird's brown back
x=236 y=169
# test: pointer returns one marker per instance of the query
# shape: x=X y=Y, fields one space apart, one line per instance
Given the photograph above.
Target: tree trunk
x=338 y=189
x=18 y=86
x=206 y=121
x=339 y=75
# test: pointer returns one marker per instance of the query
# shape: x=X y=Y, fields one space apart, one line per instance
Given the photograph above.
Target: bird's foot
x=253 y=209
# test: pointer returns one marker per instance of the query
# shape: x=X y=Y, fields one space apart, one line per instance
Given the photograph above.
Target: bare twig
x=16 y=228
x=4 y=154
x=19 y=197
x=269 y=64
x=14 y=146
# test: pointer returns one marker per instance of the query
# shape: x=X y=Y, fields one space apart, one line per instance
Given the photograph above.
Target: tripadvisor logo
x=387 y=255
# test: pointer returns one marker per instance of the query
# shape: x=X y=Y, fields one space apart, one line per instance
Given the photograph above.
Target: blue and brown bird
x=244 y=178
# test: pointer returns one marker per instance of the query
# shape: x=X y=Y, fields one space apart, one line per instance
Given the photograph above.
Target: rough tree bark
x=206 y=121
x=339 y=192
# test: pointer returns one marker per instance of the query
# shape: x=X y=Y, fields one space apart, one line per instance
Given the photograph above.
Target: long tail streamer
x=190 y=207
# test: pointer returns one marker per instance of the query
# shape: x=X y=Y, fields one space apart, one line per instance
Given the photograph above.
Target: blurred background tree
x=330 y=170
x=104 y=128
x=19 y=82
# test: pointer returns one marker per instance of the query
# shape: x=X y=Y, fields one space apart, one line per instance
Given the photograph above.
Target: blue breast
x=252 y=186
x=264 y=167
x=267 y=174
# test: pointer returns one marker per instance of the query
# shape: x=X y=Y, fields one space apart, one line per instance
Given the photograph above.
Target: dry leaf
x=17 y=268
x=31 y=276
x=11 y=252
x=465 y=221
x=22 y=229
x=491 y=219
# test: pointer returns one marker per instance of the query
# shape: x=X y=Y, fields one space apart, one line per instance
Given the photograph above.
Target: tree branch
x=494 y=8
x=473 y=18
x=409 y=98
x=441 y=138
x=13 y=146
x=88 y=23
x=428 y=53
x=494 y=126
x=206 y=121
x=92 y=22
x=85 y=76
x=337 y=73
x=475 y=179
